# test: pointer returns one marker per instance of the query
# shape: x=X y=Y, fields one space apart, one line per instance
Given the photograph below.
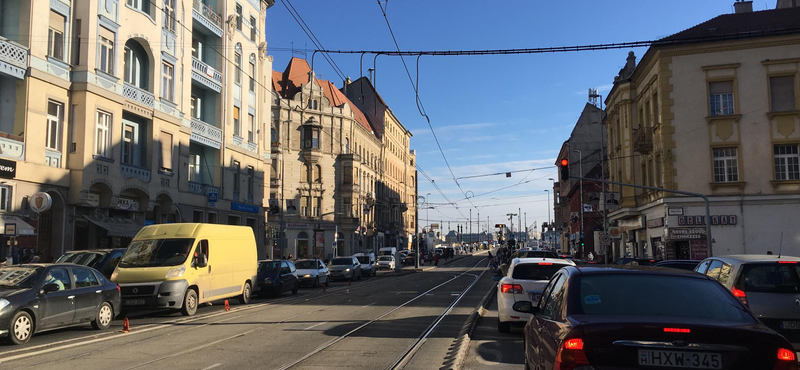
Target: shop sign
x=688 y=233
x=631 y=223
x=701 y=220
x=291 y=225
x=93 y=199
x=656 y=222
x=241 y=207
x=41 y=202
x=326 y=226
x=126 y=204
x=319 y=236
x=675 y=211
x=699 y=249
x=213 y=197
x=8 y=169
x=614 y=232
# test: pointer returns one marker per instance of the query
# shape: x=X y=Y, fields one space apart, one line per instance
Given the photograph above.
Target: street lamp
x=548 y=216
x=549 y=221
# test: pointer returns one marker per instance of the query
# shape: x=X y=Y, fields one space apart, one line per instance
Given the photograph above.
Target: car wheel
x=316 y=283
x=279 y=289
x=503 y=327
x=246 y=293
x=103 y=317
x=20 y=328
x=189 y=303
x=295 y=289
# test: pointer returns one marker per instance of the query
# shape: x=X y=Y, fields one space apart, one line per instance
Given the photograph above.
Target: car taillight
x=677 y=330
x=789 y=262
x=511 y=288
x=786 y=355
x=545 y=264
x=787 y=360
x=570 y=355
x=118 y=288
x=740 y=294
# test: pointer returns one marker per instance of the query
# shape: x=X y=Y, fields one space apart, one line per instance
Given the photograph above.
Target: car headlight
x=307 y=275
x=347 y=270
x=176 y=272
x=4 y=303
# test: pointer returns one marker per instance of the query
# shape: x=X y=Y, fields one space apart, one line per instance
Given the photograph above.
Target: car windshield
x=81 y=258
x=535 y=271
x=306 y=265
x=386 y=258
x=157 y=252
x=656 y=295
x=771 y=278
x=268 y=266
x=363 y=259
x=342 y=262
x=19 y=276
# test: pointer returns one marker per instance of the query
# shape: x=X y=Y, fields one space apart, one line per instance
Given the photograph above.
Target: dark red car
x=646 y=318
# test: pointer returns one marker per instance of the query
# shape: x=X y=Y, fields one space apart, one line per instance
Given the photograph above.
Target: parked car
x=103 y=260
x=409 y=258
x=644 y=317
x=312 y=272
x=767 y=284
x=369 y=265
x=631 y=261
x=525 y=280
x=534 y=253
x=276 y=277
x=386 y=262
x=180 y=266
x=40 y=297
x=347 y=268
x=679 y=264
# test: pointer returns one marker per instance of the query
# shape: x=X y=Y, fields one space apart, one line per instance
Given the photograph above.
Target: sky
x=490 y=113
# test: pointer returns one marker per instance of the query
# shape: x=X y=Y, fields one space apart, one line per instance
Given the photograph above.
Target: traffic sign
x=606 y=240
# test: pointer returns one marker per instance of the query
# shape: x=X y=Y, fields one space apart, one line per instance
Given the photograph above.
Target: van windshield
x=363 y=259
x=342 y=261
x=155 y=253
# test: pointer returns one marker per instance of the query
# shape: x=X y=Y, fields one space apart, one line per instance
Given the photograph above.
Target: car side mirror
x=200 y=260
x=497 y=277
x=49 y=288
x=525 y=307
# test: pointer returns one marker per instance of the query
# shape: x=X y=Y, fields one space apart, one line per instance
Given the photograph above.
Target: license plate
x=791 y=325
x=679 y=359
x=535 y=298
x=134 y=302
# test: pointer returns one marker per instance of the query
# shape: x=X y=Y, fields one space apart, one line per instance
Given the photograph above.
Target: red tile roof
x=289 y=82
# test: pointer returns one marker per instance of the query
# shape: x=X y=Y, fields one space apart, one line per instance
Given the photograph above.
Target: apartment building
x=713 y=110
x=132 y=112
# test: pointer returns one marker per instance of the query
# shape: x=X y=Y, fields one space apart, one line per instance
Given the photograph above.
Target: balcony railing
x=206 y=134
x=643 y=140
x=14 y=56
x=206 y=16
x=139 y=173
x=206 y=75
x=195 y=188
x=138 y=95
x=11 y=146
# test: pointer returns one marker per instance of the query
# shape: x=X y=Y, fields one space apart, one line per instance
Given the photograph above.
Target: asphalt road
x=490 y=349
x=398 y=320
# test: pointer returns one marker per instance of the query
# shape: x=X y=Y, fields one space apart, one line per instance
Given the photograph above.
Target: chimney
x=743 y=7
x=787 y=4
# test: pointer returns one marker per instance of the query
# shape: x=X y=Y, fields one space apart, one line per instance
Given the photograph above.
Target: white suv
x=526 y=279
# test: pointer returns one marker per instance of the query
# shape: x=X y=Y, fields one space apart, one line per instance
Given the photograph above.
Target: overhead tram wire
x=307 y=30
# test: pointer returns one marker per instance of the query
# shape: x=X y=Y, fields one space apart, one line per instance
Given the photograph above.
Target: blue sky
x=490 y=113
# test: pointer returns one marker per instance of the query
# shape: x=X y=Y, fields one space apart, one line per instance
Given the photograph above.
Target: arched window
x=304 y=176
x=137 y=68
x=302 y=244
x=317 y=174
x=346 y=146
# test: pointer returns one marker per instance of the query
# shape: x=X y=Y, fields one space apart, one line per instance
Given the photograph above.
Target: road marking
x=315 y=325
x=213 y=366
x=373 y=303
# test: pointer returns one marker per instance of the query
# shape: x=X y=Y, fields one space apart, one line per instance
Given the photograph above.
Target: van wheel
x=246 y=293
x=20 y=328
x=189 y=303
x=103 y=317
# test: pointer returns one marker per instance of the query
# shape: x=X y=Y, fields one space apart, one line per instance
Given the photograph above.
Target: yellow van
x=179 y=266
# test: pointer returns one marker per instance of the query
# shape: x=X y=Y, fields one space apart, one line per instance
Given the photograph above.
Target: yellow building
x=715 y=110
x=130 y=112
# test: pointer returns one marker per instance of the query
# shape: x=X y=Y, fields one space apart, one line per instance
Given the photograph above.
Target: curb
x=465 y=336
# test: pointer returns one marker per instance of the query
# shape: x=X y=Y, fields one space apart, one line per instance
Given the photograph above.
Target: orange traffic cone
x=227 y=305
x=126 y=326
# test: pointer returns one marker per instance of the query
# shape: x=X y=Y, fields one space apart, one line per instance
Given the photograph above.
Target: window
x=136 y=65
x=233 y=220
x=346 y=146
x=106 y=62
x=348 y=207
x=656 y=117
x=59 y=277
x=101 y=135
x=252 y=75
x=786 y=162
x=781 y=92
x=721 y=98
x=304 y=206
x=251 y=181
x=167 y=82
x=166 y=152
x=196 y=107
x=317 y=174
x=84 y=278
x=714 y=269
x=128 y=141
x=317 y=206
x=212 y=217
x=194 y=167
x=651 y=176
x=237 y=168
x=169 y=15
x=197 y=48
x=55 y=113
x=55 y=36
x=238 y=17
x=253 y=29
x=237 y=127
x=251 y=130
x=237 y=75
x=659 y=172
x=197 y=216
x=76 y=42
x=5 y=198
x=302 y=242
x=203 y=248
x=310 y=137
x=726 y=165
x=304 y=176
x=555 y=295
x=140 y=5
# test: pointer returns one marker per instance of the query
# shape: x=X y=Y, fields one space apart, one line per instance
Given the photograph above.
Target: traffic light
x=581 y=243
x=565 y=169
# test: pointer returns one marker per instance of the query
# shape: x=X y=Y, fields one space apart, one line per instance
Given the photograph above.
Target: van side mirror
x=200 y=260
x=525 y=307
x=49 y=288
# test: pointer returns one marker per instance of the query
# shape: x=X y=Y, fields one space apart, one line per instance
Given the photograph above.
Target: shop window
x=197 y=216
x=233 y=220
x=302 y=242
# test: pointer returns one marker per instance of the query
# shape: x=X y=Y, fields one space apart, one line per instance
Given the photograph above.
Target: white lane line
x=315 y=325
x=213 y=366
x=373 y=303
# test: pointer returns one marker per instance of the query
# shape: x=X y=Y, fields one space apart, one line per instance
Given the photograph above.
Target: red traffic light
x=564 y=162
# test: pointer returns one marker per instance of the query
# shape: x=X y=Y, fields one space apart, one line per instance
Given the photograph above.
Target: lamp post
x=580 y=169
x=548 y=216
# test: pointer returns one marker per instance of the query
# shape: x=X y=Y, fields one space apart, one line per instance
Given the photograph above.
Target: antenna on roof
x=780 y=248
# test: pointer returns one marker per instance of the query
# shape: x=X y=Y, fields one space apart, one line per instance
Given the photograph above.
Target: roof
x=645 y=270
x=744 y=24
x=290 y=82
x=542 y=260
x=757 y=258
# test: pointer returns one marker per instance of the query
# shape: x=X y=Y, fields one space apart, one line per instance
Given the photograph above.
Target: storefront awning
x=23 y=228
x=122 y=227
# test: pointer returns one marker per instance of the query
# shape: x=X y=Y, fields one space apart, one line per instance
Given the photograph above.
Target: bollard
x=227 y=305
x=126 y=326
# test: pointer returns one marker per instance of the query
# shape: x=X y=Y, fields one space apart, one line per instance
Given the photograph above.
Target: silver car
x=347 y=268
x=769 y=285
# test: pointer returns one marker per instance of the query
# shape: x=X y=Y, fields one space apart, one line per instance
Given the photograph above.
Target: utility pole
x=594 y=95
x=580 y=169
x=470 y=226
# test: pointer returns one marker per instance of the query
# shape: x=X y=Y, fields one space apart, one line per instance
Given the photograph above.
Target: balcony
x=350 y=188
x=12 y=146
x=195 y=188
x=13 y=58
x=135 y=172
x=206 y=75
x=138 y=95
x=643 y=140
x=206 y=134
x=206 y=16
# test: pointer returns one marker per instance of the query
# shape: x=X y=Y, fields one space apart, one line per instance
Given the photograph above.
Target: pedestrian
x=290 y=256
x=36 y=257
x=591 y=256
x=436 y=259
